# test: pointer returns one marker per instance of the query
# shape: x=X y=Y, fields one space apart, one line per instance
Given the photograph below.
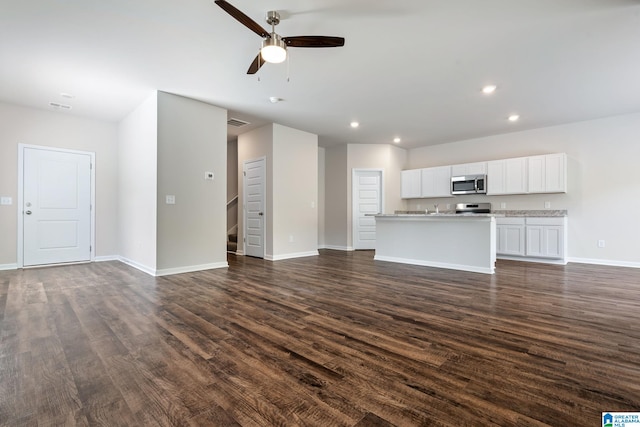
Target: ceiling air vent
x=60 y=106
x=236 y=122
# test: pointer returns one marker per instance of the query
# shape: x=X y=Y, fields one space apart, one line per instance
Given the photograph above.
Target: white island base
x=459 y=242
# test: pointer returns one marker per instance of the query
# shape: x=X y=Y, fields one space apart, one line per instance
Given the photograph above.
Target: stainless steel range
x=473 y=208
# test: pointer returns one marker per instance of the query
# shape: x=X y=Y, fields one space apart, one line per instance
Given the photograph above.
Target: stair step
x=233 y=238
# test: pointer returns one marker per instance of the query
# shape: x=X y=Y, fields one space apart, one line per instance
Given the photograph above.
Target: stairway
x=232 y=243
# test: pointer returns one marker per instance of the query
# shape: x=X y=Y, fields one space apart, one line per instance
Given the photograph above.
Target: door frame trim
x=354 y=173
x=264 y=206
x=20 y=204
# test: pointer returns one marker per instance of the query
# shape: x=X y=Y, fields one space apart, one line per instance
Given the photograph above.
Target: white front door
x=254 y=194
x=367 y=200
x=56 y=211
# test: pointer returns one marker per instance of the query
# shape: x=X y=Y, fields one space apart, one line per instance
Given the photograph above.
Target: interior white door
x=367 y=197
x=254 y=202
x=56 y=207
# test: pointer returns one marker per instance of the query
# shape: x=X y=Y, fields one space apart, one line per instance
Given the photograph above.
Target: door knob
x=28 y=212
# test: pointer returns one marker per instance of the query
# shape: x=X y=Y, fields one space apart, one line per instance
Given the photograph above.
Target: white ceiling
x=410 y=68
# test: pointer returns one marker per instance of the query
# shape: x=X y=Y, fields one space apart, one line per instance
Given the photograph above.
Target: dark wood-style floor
x=337 y=339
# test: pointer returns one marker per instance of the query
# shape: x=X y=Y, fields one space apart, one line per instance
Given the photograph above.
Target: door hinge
x=244 y=173
x=90 y=166
x=244 y=239
x=90 y=248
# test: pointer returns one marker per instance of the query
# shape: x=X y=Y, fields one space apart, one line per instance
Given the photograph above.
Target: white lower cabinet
x=532 y=237
x=510 y=236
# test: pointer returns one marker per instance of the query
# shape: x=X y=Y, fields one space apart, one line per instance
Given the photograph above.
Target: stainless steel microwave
x=469 y=184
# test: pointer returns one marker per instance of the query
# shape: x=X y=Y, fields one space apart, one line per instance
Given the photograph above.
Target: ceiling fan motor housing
x=273 y=18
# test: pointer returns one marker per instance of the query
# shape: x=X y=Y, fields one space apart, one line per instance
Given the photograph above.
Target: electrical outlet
x=503 y=205
x=208 y=176
x=418 y=206
x=290 y=238
x=448 y=206
x=601 y=243
x=547 y=205
x=170 y=199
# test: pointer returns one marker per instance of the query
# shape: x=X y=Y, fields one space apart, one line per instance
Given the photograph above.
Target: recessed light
x=489 y=89
x=514 y=118
x=397 y=140
x=354 y=124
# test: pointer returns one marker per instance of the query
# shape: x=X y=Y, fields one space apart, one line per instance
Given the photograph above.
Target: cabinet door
x=546 y=241
x=548 y=174
x=553 y=241
x=507 y=176
x=436 y=182
x=410 y=184
x=495 y=177
x=479 y=168
x=515 y=175
x=535 y=237
x=536 y=174
x=555 y=173
x=510 y=240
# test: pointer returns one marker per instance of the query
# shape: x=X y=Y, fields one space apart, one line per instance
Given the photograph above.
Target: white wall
x=391 y=160
x=295 y=193
x=602 y=198
x=232 y=183
x=137 y=186
x=336 y=198
x=291 y=188
x=57 y=129
x=253 y=145
x=321 y=196
x=192 y=139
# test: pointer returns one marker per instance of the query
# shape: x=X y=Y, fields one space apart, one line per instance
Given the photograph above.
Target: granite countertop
x=418 y=214
x=533 y=213
x=499 y=213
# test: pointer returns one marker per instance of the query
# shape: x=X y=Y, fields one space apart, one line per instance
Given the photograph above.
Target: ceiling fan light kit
x=274 y=47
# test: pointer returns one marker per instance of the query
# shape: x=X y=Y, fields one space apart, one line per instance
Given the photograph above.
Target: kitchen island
x=459 y=242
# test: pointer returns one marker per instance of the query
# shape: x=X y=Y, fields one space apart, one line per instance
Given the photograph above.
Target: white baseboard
x=104 y=258
x=538 y=260
x=471 y=268
x=8 y=266
x=290 y=256
x=191 y=268
x=339 y=248
x=150 y=271
x=609 y=262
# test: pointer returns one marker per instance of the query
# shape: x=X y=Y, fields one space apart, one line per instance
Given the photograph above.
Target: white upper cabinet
x=479 y=168
x=548 y=173
x=508 y=176
x=436 y=182
x=410 y=184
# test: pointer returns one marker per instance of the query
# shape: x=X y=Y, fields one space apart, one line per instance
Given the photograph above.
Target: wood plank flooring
x=334 y=340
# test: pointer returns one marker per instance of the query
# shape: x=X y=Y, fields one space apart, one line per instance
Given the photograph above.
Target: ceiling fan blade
x=256 y=64
x=313 y=41
x=243 y=19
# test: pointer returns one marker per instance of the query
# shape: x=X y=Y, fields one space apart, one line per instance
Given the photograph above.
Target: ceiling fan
x=274 y=47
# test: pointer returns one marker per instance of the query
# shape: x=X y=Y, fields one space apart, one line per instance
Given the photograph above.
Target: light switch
x=6 y=201
x=170 y=199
